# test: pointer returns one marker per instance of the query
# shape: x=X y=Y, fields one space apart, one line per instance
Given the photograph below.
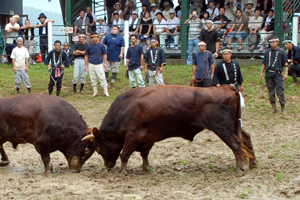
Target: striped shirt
x=194 y=30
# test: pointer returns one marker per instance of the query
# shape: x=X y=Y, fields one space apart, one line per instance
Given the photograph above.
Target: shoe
x=74 y=89
x=274 y=108
x=113 y=81
x=105 y=91
x=95 y=91
x=251 y=48
x=81 y=89
x=294 y=84
x=74 y=92
x=239 y=49
x=176 y=48
x=282 y=109
x=29 y=90
x=262 y=48
x=18 y=91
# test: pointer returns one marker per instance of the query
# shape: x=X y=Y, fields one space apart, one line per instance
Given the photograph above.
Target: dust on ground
x=202 y=169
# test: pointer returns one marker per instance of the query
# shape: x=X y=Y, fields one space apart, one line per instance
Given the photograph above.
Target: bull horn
x=88 y=137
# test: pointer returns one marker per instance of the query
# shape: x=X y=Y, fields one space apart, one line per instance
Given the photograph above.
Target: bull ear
x=96 y=132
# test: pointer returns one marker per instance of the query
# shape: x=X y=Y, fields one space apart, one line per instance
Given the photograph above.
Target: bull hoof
x=4 y=163
x=146 y=168
x=239 y=172
x=252 y=163
x=124 y=171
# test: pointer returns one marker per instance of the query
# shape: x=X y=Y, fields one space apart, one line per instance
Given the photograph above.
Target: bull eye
x=98 y=149
x=86 y=150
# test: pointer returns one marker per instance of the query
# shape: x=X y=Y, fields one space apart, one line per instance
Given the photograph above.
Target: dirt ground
x=202 y=169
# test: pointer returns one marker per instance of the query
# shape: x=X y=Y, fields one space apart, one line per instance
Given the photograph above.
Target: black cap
x=42 y=15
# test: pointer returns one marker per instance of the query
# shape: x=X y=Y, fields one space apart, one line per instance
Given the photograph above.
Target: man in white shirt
x=213 y=10
x=254 y=26
x=159 y=28
x=20 y=57
x=118 y=22
x=173 y=27
x=12 y=31
x=102 y=28
x=154 y=11
x=165 y=12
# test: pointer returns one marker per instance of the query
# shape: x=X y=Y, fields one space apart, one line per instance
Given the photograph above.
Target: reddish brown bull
x=49 y=123
x=138 y=118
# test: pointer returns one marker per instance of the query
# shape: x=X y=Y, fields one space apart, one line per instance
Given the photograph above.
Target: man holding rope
x=59 y=60
x=204 y=67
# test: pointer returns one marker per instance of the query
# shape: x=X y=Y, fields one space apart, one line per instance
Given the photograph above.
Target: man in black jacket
x=294 y=60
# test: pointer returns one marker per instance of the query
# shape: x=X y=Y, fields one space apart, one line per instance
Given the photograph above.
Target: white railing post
x=50 y=42
x=295 y=30
x=126 y=38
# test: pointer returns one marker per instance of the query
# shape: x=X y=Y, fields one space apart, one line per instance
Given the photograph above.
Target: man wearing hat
x=254 y=3
x=118 y=22
x=274 y=60
x=20 y=57
x=12 y=30
x=59 y=60
x=79 y=67
x=249 y=10
x=160 y=28
x=228 y=72
x=212 y=9
x=294 y=60
x=155 y=61
x=165 y=12
x=102 y=28
x=154 y=11
x=117 y=8
x=43 y=32
x=163 y=3
x=109 y=7
x=96 y=58
x=203 y=67
x=173 y=28
x=115 y=49
x=133 y=23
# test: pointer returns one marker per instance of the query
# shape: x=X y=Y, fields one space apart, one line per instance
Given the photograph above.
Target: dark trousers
x=274 y=82
x=8 y=49
x=110 y=10
x=58 y=83
x=43 y=45
x=204 y=83
x=294 y=71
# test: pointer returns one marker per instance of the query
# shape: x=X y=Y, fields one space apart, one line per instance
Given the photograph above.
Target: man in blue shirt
x=135 y=62
x=95 y=56
x=203 y=66
x=294 y=60
x=115 y=48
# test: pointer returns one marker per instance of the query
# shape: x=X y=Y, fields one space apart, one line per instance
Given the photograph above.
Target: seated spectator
x=117 y=8
x=162 y=4
x=154 y=11
x=159 y=29
x=102 y=28
x=144 y=9
x=118 y=22
x=81 y=26
x=133 y=23
x=194 y=32
x=166 y=11
x=245 y=2
x=173 y=28
x=212 y=9
x=196 y=5
x=249 y=11
x=146 y=30
x=230 y=9
x=132 y=9
x=69 y=52
x=204 y=19
x=220 y=23
x=267 y=29
x=254 y=25
x=238 y=30
x=92 y=17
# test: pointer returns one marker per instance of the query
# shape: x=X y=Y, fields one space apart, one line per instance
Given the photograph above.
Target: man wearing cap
x=43 y=32
x=81 y=25
x=28 y=30
x=135 y=62
x=166 y=11
x=133 y=23
x=118 y=22
x=20 y=57
x=95 y=58
x=204 y=66
x=102 y=28
x=12 y=30
x=294 y=60
x=173 y=28
x=211 y=38
x=115 y=49
x=194 y=31
x=274 y=60
x=59 y=60
x=159 y=28
x=154 y=11
x=163 y=3
x=79 y=67
x=228 y=72
x=196 y=5
x=17 y=17
x=212 y=9
x=155 y=61
x=109 y=7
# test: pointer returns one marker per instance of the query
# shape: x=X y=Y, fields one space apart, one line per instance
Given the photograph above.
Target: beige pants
x=113 y=66
x=159 y=78
x=97 y=71
x=29 y=45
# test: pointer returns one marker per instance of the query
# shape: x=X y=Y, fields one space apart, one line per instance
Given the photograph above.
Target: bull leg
x=247 y=142
x=4 y=159
x=44 y=150
x=144 y=150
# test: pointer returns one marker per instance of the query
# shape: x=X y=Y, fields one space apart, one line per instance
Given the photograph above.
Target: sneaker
x=176 y=48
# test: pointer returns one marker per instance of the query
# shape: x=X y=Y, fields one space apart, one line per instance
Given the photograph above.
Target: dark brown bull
x=138 y=118
x=49 y=123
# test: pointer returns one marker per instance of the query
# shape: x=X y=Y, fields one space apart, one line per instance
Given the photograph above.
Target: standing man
x=92 y=18
x=204 y=66
x=228 y=72
x=81 y=25
x=135 y=62
x=59 y=60
x=12 y=30
x=43 y=32
x=115 y=49
x=211 y=38
x=95 y=56
x=275 y=59
x=155 y=61
x=294 y=60
x=20 y=57
x=29 y=38
x=79 y=53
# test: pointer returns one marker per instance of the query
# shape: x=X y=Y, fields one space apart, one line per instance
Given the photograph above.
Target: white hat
x=81 y=35
x=117 y=4
x=153 y=40
x=201 y=43
x=172 y=11
x=100 y=19
x=153 y=5
x=19 y=38
x=212 y=23
x=134 y=13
